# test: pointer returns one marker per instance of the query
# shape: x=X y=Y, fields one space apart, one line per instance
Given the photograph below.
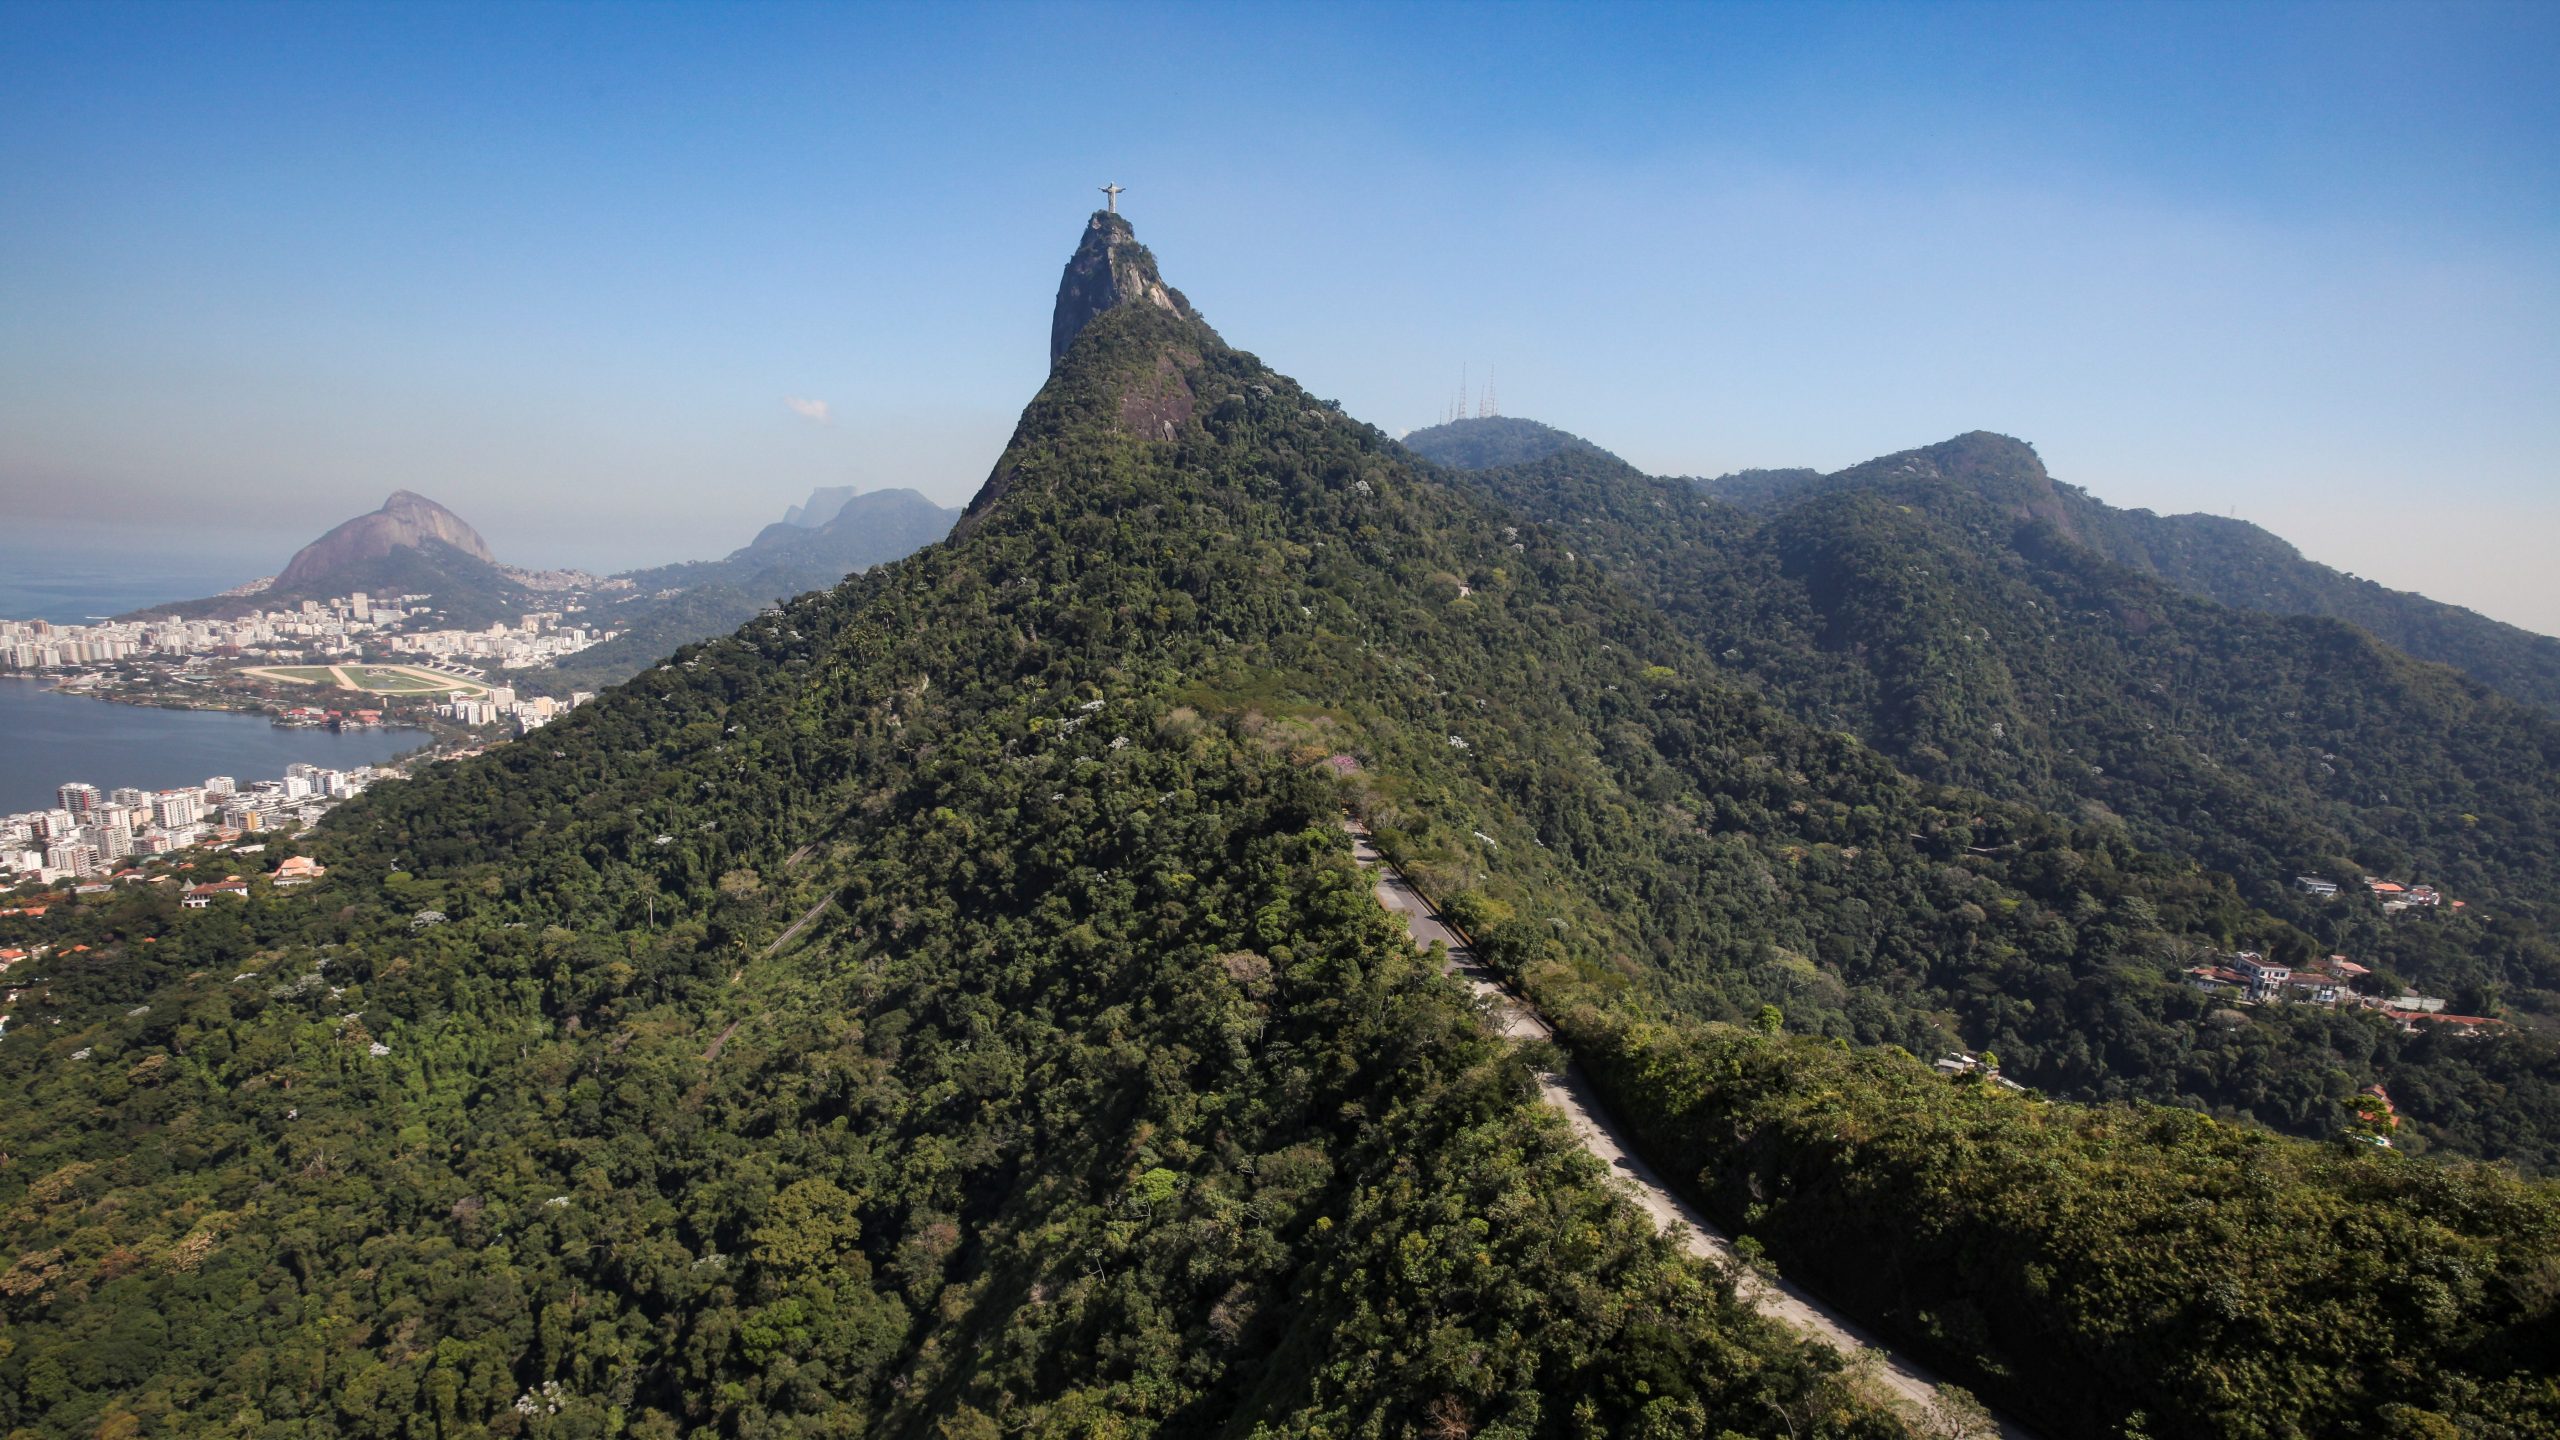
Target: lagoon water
x=47 y=739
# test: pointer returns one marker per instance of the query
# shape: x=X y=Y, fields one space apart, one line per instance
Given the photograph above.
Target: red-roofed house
x=199 y=896
x=299 y=870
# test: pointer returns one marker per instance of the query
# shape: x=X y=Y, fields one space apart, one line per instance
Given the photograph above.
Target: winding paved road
x=1601 y=1135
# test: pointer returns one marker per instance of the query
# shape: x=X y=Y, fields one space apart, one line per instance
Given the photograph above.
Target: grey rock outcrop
x=1110 y=268
x=406 y=521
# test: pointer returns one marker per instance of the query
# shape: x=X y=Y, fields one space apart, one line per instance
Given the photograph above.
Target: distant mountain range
x=410 y=546
x=2231 y=561
x=414 y=546
x=839 y=532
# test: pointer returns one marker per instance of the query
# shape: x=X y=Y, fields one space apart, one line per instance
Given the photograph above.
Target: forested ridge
x=2242 y=565
x=2231 y=562
x=1939 y=605
x=948 y=1007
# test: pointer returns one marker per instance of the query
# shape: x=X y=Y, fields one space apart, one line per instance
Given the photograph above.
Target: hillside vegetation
x=2231 y=562
x=674 y=605
x=948 y=1007
x=1939 y=605
x=1482 y=443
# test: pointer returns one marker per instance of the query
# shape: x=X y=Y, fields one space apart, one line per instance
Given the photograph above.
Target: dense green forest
x=2218 y=559
x=1484 y=442
x=2114 y=1269
x=948 y=1007
x=2244 y=566
x=1943 y=611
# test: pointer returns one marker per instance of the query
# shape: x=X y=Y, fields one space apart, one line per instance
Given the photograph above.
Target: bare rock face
x=1109 y=268
x=405 y=522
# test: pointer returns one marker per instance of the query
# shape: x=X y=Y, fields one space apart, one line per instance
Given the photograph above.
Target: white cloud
x=807 y=409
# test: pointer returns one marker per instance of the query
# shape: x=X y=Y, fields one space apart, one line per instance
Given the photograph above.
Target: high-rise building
x=175 y=809
x=221 y=785
x=79 y=799
x=71 y=857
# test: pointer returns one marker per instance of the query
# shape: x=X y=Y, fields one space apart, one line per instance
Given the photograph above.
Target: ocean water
x=70 y=573
x=47 y=739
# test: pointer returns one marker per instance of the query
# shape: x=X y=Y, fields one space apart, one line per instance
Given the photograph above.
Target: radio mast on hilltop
x=1472 y=404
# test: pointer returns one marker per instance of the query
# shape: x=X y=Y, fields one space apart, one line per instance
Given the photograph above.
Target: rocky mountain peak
x=1109 y=269
x=406 y=521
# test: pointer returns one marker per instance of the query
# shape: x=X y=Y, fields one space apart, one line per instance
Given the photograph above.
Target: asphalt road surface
x=1601 y=1135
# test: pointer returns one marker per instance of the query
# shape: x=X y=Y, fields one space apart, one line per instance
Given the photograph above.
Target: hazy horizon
x=620 y=286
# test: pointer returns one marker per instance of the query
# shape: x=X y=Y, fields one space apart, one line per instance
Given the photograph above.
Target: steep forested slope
x=2244 y=566
x=1940 y=604
x=947 y=1007
x=2232 y=562
x=1095 y=1092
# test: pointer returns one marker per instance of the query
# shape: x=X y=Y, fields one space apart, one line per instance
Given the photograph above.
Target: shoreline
x=155 y=746
x=162 y=700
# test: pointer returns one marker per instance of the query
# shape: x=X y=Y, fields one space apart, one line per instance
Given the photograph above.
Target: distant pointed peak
x=1109 y=269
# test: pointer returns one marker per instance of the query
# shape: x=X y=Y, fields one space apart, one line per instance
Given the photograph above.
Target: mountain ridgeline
x=1946 y=606
x=2229 y=561
x=406 y=521
x=413 y=546
x=948 y=1007
x=840 y=532
x=2232 y=562
x=410 y=546
x=1493 y=440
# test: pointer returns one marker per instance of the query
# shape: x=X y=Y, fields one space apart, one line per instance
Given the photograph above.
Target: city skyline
x=620 y=287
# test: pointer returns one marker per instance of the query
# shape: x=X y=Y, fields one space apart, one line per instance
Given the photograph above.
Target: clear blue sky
x=562 y=267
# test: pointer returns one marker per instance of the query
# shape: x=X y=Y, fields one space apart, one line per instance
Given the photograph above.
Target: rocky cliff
x=1109 y=268
x=859 y=529
x=406 y=521
x=823 y=504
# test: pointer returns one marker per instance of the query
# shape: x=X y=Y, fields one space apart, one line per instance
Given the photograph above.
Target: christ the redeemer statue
x=1111 y=197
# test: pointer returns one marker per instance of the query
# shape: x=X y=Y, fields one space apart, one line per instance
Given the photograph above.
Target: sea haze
x=47 y=739
x=69 y=573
